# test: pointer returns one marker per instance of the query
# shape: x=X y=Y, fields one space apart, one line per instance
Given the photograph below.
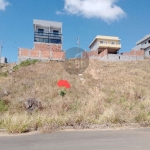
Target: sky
x=127 y=19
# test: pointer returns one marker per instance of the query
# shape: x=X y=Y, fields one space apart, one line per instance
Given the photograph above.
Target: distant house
x=47 y=32
x=107 y=48
x=3 y=60
x=47 y=42
x=111 y=43
x=144 y=44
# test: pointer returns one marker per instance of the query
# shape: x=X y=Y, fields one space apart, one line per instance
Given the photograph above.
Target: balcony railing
x=49 y=34
x=48 y=37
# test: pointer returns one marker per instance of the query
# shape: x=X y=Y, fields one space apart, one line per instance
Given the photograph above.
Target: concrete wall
x=3 y=60
x=45 y=23
x=145 y=45
x=128 y=56
x=94 y=46
x=147 y=52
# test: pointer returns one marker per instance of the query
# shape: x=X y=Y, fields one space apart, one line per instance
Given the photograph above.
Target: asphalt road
x=137 y=139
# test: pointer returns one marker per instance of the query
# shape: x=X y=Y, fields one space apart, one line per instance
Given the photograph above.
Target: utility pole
x=0 y=51
x=78 y=42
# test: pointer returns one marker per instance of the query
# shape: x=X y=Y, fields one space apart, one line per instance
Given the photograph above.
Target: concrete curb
x=92 y=127
x=3 y=131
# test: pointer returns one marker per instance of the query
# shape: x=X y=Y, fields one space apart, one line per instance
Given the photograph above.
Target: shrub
x=28 y=62
x=141 y=117
x=25 y=63
x=16 y=67
x=3 y=106
x=3 y=74
x=16 y=123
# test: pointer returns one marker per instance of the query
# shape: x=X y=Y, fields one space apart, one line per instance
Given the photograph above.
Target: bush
x=3 y=74
x=16 y=123
x=28 y=62
x=25 y=63
x=3 y=106
x=141 y=117
x=16 y=67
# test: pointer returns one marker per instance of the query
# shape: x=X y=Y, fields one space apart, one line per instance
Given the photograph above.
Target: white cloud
x=106 y=10
x=59 y=13
x=3 y=4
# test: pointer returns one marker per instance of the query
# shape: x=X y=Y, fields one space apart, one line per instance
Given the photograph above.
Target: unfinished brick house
x=47 y=42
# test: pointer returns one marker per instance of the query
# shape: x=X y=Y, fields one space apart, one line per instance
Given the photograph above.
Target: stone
x=6 y=93
x=32 y=104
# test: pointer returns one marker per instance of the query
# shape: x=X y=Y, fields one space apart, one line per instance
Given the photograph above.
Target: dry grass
x=111 y=92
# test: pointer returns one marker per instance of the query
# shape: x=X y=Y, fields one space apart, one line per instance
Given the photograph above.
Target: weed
x=110 y=93
x=3 y=106
x=16 y=123
x=28 y=62
x=16 y=67
x=3 y=74
x=75 y=106
x=25 y=63
x=141 y=117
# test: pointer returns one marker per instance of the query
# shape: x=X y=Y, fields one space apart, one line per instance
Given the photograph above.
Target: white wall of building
x=145 y=45
x=147 y=52
x=3 y=60
x=94 y=46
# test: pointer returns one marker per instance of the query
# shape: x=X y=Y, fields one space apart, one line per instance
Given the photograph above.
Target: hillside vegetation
x=109 y=93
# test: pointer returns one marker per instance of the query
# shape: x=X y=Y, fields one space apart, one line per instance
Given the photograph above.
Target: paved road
x=137 y=139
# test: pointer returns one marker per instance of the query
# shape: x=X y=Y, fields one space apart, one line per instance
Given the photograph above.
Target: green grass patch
x=3 y=74
x=3 y=106
x=25 y=63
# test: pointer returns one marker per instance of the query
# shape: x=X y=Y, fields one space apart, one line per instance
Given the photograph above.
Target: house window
x=149 y=52
x=55 y=32
x=112 y=42
x=41 y=30
x=149 y=41
x=145 y=42
x=57 y=41
x=101 y=42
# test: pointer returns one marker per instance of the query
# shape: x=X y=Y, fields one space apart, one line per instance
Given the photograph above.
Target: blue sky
x=128 y=19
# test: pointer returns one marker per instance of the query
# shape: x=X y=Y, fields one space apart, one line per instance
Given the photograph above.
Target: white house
x=3 y=60
x=47 y=31
x=101 y=43
x=144 y=44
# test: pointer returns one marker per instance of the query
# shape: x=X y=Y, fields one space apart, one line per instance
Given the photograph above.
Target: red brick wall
x=58 y=54
x=42 y=51
x=140 y=53
x=52 y=47
x=34 y=53
x=45 y=54
x=23 y=52
x=90 y=53
x=103 y=53
x=135 y=53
